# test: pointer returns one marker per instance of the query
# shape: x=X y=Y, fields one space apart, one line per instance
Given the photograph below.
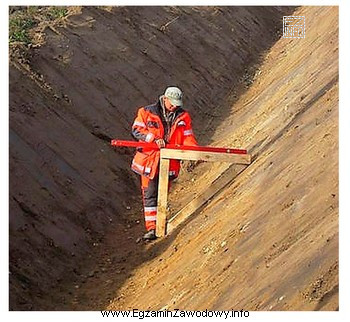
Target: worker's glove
x=160 y=143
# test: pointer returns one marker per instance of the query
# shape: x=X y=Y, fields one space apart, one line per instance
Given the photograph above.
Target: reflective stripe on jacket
x=150 y=125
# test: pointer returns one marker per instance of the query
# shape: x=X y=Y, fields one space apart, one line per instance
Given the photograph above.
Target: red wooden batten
x=122 y=143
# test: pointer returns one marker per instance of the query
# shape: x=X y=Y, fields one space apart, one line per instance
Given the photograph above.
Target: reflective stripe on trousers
x=150 y=196
x=150 y=199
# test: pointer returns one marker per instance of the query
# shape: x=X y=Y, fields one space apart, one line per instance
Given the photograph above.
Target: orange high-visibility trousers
x=150 y=198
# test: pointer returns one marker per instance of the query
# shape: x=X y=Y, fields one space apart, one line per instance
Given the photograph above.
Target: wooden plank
x=217 y=185
x=162 y=197
x=205 y=156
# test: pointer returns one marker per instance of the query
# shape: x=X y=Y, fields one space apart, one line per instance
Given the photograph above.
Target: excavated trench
x=75 y=207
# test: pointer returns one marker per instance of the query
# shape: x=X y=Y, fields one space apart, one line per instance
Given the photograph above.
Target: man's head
x=172 y=98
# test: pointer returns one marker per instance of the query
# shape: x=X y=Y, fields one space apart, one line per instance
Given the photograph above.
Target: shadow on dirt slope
x=68 y=188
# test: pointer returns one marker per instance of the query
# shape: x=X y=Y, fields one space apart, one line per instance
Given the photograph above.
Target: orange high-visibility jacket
x=149 y=125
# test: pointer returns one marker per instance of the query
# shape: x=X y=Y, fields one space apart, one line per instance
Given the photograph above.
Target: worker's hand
x=160 y=143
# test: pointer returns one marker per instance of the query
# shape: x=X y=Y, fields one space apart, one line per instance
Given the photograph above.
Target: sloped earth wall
x=269 y=239
x=70 y=96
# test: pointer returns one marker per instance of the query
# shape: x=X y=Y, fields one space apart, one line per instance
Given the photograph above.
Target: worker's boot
x=150 y=235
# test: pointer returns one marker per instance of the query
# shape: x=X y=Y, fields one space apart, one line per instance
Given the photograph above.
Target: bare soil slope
x=267 y=241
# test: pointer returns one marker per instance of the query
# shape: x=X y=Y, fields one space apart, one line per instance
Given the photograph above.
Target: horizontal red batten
x=122 y=143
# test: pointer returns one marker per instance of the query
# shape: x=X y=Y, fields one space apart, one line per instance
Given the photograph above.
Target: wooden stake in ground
x=162 y=197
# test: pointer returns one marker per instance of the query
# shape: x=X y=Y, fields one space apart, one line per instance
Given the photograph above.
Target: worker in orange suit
x=162 y=122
